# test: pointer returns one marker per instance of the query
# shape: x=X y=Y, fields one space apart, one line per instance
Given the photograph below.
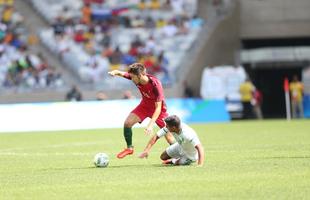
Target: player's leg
x=171 y=154
x=184 y=160
x=131 y=120
x=294 y=110
x=167 y=160
x=176 y=160
x=165 y=156
x=137 y=115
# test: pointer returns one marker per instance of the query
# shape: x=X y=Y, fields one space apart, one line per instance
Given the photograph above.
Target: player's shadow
x=109 y=167
x=138 y=166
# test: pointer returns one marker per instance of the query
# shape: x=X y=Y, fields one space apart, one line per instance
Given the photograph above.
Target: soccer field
x=244 y=160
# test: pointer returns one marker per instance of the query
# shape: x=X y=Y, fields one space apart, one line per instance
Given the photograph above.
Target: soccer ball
x=101 y=160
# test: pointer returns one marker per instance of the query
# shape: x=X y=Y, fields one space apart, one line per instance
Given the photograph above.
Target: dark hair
x=173 y=120
x=136 y=69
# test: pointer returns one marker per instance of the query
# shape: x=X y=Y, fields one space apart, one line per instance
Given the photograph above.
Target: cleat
x=124 y=153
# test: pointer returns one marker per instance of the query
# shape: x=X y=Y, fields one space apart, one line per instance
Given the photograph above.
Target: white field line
x=79 y=144
x=45 y=154
x=211 y=148
x=52 y=146
x=12 y=153
x=58 y=154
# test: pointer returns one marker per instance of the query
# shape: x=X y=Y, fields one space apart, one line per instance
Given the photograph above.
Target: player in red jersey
x=152 y=104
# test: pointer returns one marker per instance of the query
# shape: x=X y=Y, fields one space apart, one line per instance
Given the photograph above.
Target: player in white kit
x=185 y=151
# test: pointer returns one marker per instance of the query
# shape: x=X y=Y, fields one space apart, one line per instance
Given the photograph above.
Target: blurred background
x=246 y=54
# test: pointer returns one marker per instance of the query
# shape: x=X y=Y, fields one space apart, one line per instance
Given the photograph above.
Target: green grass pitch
x=244 y=160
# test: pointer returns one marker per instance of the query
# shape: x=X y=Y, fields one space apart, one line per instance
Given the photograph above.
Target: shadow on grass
x=138 y=166
x=109 y=167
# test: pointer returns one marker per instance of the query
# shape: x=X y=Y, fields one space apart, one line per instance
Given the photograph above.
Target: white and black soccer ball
x=101 y=160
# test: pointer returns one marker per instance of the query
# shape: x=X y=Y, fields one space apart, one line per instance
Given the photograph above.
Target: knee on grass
x=164 y=156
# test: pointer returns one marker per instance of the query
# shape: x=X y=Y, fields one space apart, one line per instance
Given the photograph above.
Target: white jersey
x=187 y=139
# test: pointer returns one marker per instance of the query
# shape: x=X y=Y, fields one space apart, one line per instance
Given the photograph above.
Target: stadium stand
x=92 y=37
x=146 y=31
x=22 y=69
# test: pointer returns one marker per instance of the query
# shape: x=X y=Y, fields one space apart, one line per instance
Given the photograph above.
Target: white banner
x=99 y=114
x=64 y=115
x=222 y=82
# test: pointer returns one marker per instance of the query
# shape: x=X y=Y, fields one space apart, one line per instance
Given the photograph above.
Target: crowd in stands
x=19 y=67
x=94 y=36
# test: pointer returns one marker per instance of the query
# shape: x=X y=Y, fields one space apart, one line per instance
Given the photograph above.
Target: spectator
x=155 y=4
x=59 y=26
x=161 y=23
x=296 y=91
x=86 y=13
x=62 y=45
x=107 y=51
x=138 y=22
x=188 y=92
x=128 y=59
x=167 y=5
x=257 y=102
x=66 y=14
x=33 y=39
x=137 y=41
x=164 y=63
x=170 y=29
x=177 y=6
x=142 y=5
x=16 y=42
x=246 y=90
x=74 y=94
x=150 y=23
x=8 y=37
x=150 y=45
x=116 y=56
x=7 y=14
x=183 y=30
x=101 y=96
x=58 y=81
x=128 y=95
x=133 y=51
x=196 y=22
x=149 y=62
x=79 y=36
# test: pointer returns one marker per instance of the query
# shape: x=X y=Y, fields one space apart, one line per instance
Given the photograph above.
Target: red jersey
x=152 y=91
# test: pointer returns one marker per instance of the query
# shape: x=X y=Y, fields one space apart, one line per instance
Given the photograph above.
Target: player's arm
x=117 y=73
x=201 y=154
x=148 y=147
x=149 y=128
x=152 y=141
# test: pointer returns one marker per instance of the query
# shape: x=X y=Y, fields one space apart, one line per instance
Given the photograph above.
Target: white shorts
x=177 y=154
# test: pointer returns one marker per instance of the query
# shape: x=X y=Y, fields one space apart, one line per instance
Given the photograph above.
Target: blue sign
x=307 y=106
x=199 y=110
